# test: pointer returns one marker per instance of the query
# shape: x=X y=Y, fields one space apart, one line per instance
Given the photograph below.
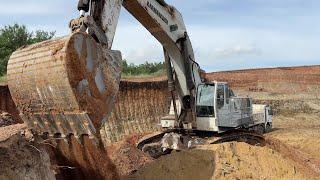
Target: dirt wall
x=286 y=79
x=7 y=104
x=138 y=109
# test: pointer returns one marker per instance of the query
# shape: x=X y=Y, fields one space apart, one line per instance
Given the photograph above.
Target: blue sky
x=226 y=34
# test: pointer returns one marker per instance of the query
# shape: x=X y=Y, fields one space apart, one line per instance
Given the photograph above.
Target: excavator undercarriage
x=163 y=143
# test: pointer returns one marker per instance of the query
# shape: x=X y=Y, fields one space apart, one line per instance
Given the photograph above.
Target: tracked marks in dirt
x=309 y=165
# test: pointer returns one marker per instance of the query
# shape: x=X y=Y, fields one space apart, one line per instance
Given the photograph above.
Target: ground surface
x=238 y=160
x=20 y=159
x=291 y=152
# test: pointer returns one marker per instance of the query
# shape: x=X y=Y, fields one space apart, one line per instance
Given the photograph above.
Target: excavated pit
x=291 y=150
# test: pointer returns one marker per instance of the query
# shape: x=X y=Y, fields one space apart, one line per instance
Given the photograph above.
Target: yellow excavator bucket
x=66 y=85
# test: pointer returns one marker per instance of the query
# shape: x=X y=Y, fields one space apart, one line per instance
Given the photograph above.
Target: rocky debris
x=127 y=158
x=24 y=156
x=6 y=119
x=21 y=159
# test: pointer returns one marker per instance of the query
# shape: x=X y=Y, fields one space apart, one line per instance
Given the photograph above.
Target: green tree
x=16 y=36
x=142 y=69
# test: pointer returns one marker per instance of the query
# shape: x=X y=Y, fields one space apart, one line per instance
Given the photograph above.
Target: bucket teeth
x=66 y=85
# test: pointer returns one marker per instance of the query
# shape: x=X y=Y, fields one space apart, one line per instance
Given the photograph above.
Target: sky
x=226 y=34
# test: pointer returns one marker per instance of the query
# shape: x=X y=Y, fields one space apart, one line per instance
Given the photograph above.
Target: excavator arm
x=166 y=24
x=68 y=85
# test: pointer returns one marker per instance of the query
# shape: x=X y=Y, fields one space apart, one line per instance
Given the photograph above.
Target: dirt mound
x=24 y=156
x=194 y=164
x=20 y=159
x=127 y=157
x=242 y=161
x=222 y=161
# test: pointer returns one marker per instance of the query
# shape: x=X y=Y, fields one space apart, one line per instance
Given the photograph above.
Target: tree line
x=15 y=36
x=156 y=68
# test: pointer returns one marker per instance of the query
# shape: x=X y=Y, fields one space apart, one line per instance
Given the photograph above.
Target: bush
x=143 y=69
x=16 y=36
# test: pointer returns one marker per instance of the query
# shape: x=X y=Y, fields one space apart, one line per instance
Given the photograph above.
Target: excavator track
x=241 y=136
x=152 y=144
x=65 y=86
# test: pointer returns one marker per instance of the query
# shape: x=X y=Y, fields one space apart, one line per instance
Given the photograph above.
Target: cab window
x=205 y=100
x=220 y=96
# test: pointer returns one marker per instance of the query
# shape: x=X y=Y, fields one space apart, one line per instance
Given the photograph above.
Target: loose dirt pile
x=242 y=161
x=194 y=164
x=127 y=157
x=20 y=159
x=222 y=161
x=23 y=156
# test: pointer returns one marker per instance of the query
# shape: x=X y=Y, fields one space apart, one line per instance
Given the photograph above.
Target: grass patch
x=3 y=79
x=156 y=74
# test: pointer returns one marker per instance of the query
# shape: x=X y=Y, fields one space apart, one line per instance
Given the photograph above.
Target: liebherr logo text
x=156 y=11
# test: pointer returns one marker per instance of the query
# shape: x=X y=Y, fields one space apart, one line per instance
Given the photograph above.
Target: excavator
x=68 y=85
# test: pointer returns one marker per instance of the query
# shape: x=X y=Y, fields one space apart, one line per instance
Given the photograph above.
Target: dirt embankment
x=138 y=109
x=304 y=79
x=7 y=105
x=223 y=161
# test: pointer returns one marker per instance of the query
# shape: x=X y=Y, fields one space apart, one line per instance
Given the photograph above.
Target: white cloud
x=227 y=48
x=236 y=51
x=137 y=44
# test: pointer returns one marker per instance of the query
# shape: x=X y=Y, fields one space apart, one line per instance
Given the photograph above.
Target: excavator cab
x=217 y=109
